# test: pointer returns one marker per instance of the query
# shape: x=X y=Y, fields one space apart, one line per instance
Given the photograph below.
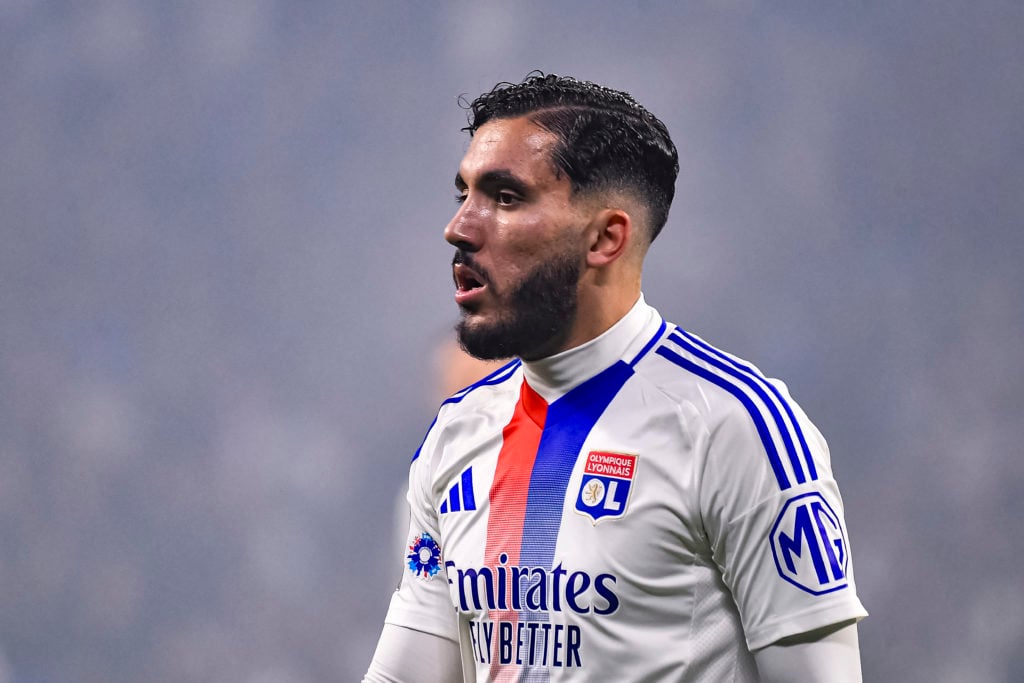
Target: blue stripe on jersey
x=568 y=423
x=755 y=414
x=420 y=447
x=497 y=377
x=468 y=497
x=780 y=424
x=808 y=460
x=649 y=345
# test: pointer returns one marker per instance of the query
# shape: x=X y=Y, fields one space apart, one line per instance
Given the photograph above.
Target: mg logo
x=809 y=545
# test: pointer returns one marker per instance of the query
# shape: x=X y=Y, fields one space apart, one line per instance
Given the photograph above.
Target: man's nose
x=463 y=230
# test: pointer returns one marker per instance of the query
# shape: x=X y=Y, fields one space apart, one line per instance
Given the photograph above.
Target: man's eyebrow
x=500 y=177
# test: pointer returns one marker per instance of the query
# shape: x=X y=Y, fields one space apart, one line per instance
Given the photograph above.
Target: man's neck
x=598 y=310
x=551 y=377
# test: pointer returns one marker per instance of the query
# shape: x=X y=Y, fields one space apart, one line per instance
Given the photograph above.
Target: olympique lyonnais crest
x=607 y=481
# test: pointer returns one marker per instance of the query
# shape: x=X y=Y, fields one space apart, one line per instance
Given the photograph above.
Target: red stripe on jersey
x=509 y=493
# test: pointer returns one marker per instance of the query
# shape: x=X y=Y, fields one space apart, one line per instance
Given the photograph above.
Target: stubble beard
x=539 y=313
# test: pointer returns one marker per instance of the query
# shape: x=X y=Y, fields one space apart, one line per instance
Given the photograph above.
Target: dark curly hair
x=607 y=140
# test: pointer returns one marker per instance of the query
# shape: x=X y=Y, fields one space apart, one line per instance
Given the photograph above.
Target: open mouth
x=466 y=279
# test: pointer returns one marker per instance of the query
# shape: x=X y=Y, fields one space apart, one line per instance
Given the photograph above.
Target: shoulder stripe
x=750 y=371
x=762 y=429
x=649 y=345
x=497 y=377
x=746 y=380
x=420 y=447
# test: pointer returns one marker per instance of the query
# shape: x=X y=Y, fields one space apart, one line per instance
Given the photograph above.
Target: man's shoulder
x=465 y=411
x=716 y=383
x=493 y=391
x=500 y=383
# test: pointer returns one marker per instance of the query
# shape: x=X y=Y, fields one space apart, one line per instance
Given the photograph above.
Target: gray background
x=222 y=284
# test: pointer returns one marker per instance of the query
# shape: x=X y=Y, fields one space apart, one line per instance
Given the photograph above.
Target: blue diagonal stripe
x=568 y=423
x=752 y=410
x=650 y=344
x=811 y=469
x=787 y=438
x=497 y=377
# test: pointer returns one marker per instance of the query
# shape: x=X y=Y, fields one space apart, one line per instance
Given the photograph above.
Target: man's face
x=520 y=245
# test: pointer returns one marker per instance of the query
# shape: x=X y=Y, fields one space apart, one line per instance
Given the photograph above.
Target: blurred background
x=225 y=300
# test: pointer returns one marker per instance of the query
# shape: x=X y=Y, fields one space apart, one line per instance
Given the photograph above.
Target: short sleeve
x=422 y=601
x=775 y=521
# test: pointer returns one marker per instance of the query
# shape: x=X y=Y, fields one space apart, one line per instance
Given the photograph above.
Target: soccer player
x=623 y=501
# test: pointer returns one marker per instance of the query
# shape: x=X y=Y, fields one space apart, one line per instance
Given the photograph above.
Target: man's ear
x=611 y=235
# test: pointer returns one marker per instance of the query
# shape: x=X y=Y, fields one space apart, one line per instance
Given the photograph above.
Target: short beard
x=540 y=313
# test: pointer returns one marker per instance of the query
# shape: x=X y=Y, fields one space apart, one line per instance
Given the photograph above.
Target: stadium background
x=223 y=288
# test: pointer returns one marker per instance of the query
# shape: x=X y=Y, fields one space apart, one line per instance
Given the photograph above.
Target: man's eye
x=460 y=198
x=506 y=198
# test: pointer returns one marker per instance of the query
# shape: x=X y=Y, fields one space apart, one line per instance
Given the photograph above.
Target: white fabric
x=831 y=658
x=716 y=533
x=407 y=656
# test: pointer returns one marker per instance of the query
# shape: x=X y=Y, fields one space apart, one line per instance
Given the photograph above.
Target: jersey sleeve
x=422 y=601
x=774 y=519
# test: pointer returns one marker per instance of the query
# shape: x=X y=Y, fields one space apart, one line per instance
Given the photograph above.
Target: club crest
x=606 y=484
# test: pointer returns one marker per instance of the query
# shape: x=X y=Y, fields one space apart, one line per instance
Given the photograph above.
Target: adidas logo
x=460 y=496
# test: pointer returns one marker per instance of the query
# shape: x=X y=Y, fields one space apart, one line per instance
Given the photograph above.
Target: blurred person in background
x=622 y=501
x=454 y=369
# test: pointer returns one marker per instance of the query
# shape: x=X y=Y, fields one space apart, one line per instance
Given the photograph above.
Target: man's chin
x=481 y=317
x=482 y=339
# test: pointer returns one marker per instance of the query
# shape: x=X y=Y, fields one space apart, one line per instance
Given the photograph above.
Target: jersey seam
x=705 y=430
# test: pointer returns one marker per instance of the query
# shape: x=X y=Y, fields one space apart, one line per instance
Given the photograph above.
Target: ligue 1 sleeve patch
x=606 y=484
x=424 y=556
x=809 y=545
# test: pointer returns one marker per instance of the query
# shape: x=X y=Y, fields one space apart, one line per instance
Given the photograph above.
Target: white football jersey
x=640 y=508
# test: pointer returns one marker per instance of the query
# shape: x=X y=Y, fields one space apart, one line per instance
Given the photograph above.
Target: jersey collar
x=555 y=375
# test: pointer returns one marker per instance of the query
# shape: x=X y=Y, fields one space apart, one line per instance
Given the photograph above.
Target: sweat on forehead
x=509 y=152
